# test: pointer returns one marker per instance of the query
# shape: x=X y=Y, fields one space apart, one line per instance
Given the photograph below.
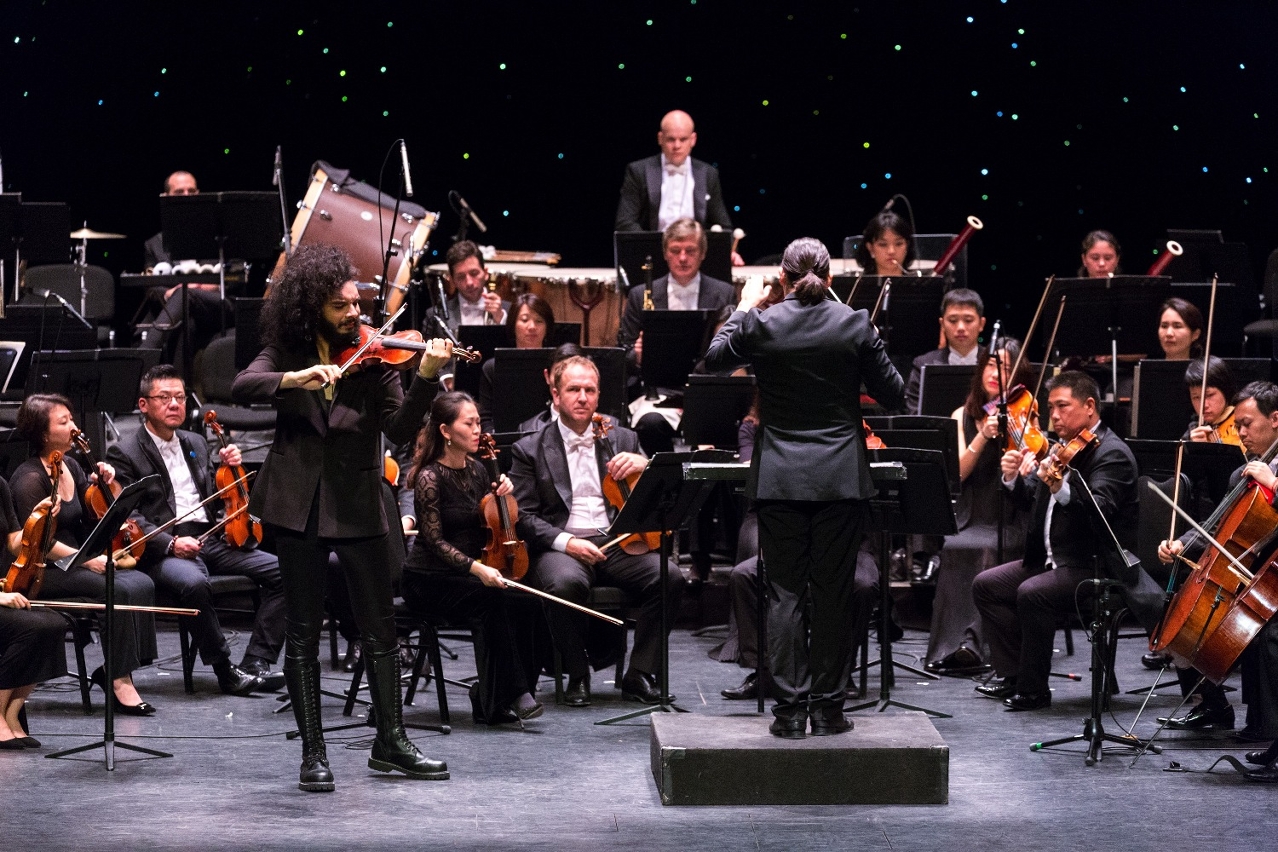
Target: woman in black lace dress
x=443 y=577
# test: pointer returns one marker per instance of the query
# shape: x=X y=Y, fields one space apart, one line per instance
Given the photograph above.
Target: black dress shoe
x=1202 y=719
x=642 y=687
x=578 y=692
x=351 y=658
x=1267 y=774
x=747 y=691
x=256 y=666
x=1028 y=701
x=963 y=662
x=98 y=679
x=1258 y=758
x=790 y=728
x=1250 y=735
x=829 y=722
x=233 y=680
x=14 y=744
x=1156 y=660
x=999 y=688
x=29 y=742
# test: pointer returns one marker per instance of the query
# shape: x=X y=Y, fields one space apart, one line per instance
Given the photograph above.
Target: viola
x=1058 y=461
x=1022 y=422
x=127 y=541
x=241 y=530
x=504 y=550
x=26 y=574
x=617 y=492
x=399 y=351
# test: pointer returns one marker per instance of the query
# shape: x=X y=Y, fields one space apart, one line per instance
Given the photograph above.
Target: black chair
x=426 y=647
x=214 y=374
x=1267 y=328
x=223 y=586
x=64 y=280
x=81 y=626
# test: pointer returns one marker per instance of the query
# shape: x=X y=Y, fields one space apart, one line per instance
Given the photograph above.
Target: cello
x=617 y=492
x=26 y=574
x=504 y=550
x=241 y=530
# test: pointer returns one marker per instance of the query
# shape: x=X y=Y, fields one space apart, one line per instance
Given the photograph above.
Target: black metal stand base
x=1094 y=735
x=108 y=748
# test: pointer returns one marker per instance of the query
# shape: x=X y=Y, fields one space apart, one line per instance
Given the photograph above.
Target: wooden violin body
x=26 y=573
x=617 y=492
x=1022 y=422
x=99 y=499
x=241 y=530
x=399 y=351
x=504 y=551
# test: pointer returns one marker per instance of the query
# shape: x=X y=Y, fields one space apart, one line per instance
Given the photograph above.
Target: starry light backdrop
x=1046 y=120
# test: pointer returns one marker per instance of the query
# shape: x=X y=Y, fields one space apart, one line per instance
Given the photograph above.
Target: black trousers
x=32 y=646
x=1020 y=612
x=132 y=643
x=639 y=577
x=810 y=548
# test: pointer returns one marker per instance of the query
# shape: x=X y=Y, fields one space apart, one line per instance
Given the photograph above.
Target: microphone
x=49 y=294
x=279 y=165
x=886 y=207
x=408 y=176
x=994 y=341
x=466 y=211
x=443 y=302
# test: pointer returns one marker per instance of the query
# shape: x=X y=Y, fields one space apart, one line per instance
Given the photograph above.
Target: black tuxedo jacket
x=809 y=363
x=641 y=196
x=137 y=457
x=543 y=486
x=714 y=294
x=330 y=452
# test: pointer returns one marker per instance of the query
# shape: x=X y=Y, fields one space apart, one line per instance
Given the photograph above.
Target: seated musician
x=1214 y=408
x=1256 y=412
x=1180 y=325
x=683 y=243
x=562 y=352
x=887 y=245
x=528 y=322
x=471 y=302
x=955 y=645
x=32 y=641
x=558 y=475
x=443 y=575
x=962 y=321
x=45 y=421
x=181 y=559
x=1100 y=257
x=1021 y=602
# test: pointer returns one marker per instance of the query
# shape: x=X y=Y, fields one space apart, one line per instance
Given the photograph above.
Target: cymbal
x=90 y=234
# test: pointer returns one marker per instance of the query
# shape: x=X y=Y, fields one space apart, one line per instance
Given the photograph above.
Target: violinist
x=887 y=245
x=962 y=321
x=182 y=559
x=1021 y=602
x=321 y=492
x=45 y=421
x=32 y=641
x=558 y=477
x=1214 y=409
x=956 y=646
x=528 y=322
x=1256 y=412
x=443 y=575
x=1100 y=257
x=1180 y=325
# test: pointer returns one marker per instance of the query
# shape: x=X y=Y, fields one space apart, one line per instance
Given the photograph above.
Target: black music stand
x=611 y=361
x=907 y=317
x=99 y=541
x=519 y=390
x=485 y=339
x=713 y=407
x=913 y=498
x=672 y=343
x=9 y=204
x=1212 y=465
x=37 y=231
x=661 y=500
x=943 y=388
x=95 y=380
x=563 y=332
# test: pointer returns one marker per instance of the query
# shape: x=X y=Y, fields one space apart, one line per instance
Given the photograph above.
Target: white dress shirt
x=683 y=297
x=969 y=358
x=473 y=313
x=676 y=192
x=185 y=495
x=588 y=514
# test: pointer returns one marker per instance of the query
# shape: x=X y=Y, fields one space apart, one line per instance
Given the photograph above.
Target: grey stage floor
x=566 y=783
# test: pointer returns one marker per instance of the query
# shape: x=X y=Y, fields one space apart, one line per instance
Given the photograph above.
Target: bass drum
x=346 y=216
x=563 y=288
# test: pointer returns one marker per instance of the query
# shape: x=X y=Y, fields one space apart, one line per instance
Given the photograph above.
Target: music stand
x=913 y=498
x=99 y=542
x=563 y=332
x=96 y=380
x=484 y=339
x=907 y=317
x=713 y=407
x=672 y=343
x=611 y=361
x=9 y=203
x=519 y=390
x=1212 y=465
x=943 y=388
x=662 y=499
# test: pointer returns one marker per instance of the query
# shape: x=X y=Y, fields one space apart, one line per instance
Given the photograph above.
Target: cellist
x=1256 y=413
x=444 y=576
x=182 y=560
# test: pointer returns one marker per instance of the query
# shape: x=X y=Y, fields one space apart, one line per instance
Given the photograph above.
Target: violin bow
x=167 y=524
x=539 y=593
x=372 y=338
x=1047 y=288
x=1047 y=354
x=1211 y=315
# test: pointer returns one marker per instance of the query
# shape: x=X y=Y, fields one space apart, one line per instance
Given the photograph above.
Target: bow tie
x=583 y=442
x=681 y=169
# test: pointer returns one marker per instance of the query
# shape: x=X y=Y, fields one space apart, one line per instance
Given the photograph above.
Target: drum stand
x=575 y=292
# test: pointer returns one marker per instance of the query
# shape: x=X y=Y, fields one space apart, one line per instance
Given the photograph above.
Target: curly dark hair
x=293 y=308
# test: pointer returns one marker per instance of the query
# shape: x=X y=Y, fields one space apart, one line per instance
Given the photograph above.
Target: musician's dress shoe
x=790 y=727
x=1267 y=773
x=1259 y=758
x=999 y=688
x=271 y=681
x=578 y=692
x=233 y=680
x=642 y=687
x=963 y=661
x=1202 y=719
x=1156 y=660
x=98 y=678
x=830 y=721
x=747 y=691
x=1028 y=701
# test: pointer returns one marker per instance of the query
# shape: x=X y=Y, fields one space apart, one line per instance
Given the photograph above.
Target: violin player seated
x=558 y=475
x=1021 y=602
x=181 y=559
x=1215 y=409
x=32 y=641
x=1256 y=413
x=444 y=575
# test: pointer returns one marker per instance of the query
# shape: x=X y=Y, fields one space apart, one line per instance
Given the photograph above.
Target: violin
x=872 y=441
x=1058 y=461
x=26 y=574
x=399 y=351
x=504 y=550
x=126 y=542
x=1225 y=430
x=241 y=530
x=617 y=492
x=1022 y=422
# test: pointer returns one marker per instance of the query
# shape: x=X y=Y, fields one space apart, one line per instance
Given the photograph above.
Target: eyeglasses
x=166 y=398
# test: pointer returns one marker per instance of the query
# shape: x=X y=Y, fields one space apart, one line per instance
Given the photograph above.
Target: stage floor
x=566 y=783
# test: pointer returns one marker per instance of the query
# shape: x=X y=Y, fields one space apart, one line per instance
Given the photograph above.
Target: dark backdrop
x=1044 y=119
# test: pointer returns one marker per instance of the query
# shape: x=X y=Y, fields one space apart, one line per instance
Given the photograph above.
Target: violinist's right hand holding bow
x=13 y=600
x=1016 y=463
x=312 y=378
x=584 y=551
x=488 y=575
x=1169 y=550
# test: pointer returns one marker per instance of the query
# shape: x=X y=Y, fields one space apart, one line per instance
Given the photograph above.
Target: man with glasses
x=181 y=559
